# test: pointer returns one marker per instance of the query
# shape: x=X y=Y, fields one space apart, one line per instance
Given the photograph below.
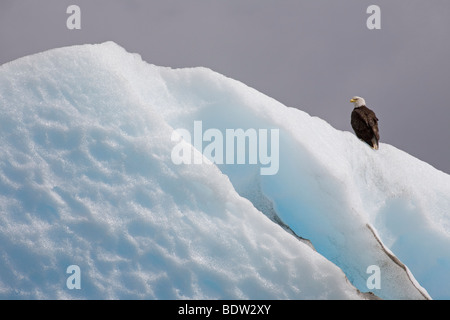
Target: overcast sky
x=310 y=54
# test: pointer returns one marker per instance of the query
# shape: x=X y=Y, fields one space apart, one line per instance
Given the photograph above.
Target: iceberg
x=88 y=179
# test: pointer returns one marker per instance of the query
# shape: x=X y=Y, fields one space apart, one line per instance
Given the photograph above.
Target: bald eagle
x=365 y=123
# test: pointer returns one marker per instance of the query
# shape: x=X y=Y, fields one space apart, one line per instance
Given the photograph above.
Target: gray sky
x=310 y=54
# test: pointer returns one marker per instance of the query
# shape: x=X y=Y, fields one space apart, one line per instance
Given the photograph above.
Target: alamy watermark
x=374 y=20
x=236 y=146
x=73 y=22
x=374 y=280
x=74 y=280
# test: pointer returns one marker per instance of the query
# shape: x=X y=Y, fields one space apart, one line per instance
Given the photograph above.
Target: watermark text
x=235 y=147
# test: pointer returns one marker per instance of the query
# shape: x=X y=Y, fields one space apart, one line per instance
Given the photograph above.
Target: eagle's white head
x=358 y=101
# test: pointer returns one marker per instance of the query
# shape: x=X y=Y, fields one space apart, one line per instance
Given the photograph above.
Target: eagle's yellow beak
x=352 y=100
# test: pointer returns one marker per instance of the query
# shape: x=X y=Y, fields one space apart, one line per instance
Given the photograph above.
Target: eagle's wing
x=370 y=119
x=372 y=122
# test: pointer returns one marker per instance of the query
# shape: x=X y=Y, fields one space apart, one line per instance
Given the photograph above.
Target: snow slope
x=87 y=179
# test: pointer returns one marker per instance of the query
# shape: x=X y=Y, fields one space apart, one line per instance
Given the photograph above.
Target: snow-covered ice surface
x=87 y=179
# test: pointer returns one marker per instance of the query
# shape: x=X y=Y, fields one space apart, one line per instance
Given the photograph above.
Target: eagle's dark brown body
x=365 y=124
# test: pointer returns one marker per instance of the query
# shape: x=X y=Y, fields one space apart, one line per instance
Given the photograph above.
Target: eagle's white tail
x=374 y=143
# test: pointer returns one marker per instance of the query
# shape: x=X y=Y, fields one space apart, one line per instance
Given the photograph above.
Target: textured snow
x=86 y=178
